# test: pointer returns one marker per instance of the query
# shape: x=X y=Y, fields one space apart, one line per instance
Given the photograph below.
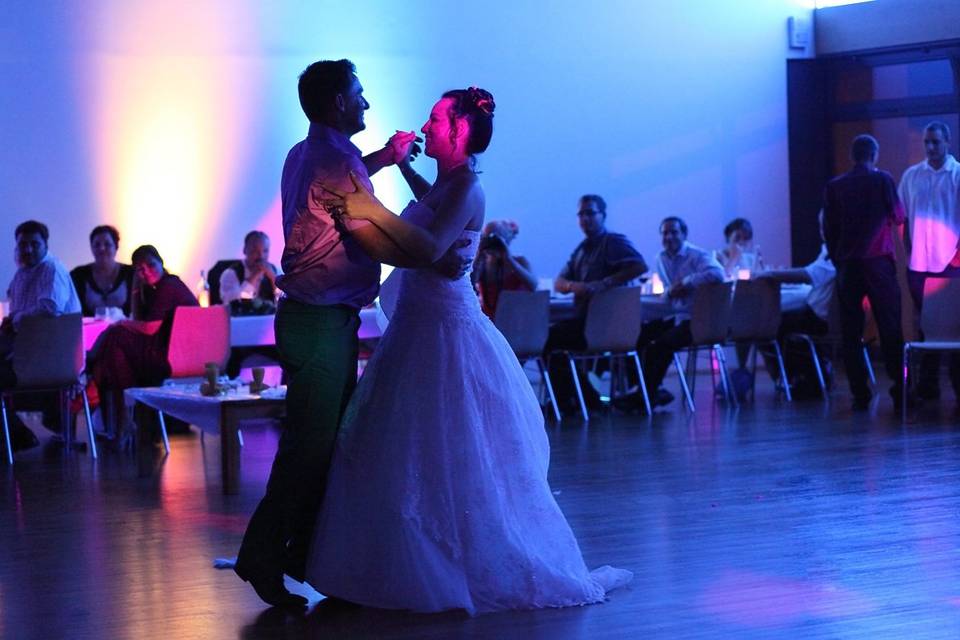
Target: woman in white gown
x=437 y=496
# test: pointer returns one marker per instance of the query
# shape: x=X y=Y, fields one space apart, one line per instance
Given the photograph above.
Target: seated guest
x=739 y=252
x=807 y=314
x=104 y=282
x=133 y=353
x=251 y=278
x=495 y=269
x=603 y=260
x=40 y=287
x=683 y=267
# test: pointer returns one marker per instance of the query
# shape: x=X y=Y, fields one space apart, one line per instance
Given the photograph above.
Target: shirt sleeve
x=620 y=253
x=49 y=299
x=338 y=178
x=820 y=271
x=705 y=269
x=229 y=286
x=897 y=216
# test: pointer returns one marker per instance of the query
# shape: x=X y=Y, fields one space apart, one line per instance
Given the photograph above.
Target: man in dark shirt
x=603 y=260
x=861 y=208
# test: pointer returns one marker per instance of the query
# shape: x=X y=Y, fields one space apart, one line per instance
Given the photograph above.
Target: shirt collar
x=684 y=250
x=948 y=165
x=46 y=258
x=326 y=133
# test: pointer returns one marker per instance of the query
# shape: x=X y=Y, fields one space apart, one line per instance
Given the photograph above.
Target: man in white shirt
x=930 y=191
x=252 y=277
x=683 y=267
x=41 y=286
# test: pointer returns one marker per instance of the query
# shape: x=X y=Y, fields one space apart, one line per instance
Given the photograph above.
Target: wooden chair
x=939 y=321
x=523 y=317
x=48 y=357
x=611 y=331
x=199 y=335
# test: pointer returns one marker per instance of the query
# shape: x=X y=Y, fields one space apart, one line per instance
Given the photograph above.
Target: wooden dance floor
x=774 y=521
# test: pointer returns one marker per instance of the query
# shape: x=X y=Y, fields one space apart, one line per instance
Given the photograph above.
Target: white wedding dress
x=437 y=496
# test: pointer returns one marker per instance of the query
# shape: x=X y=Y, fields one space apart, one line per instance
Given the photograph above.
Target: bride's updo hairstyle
x=476 y=105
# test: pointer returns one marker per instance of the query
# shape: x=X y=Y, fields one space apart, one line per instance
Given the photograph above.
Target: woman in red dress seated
x=133 y=353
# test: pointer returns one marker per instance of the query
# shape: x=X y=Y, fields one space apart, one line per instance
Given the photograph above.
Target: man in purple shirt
x=861 y=209
x=331 y=270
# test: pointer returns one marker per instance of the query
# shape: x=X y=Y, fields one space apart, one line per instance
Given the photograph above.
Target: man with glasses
x=603 y=260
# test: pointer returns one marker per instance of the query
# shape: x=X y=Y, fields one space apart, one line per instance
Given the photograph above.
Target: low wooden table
x=218 y=415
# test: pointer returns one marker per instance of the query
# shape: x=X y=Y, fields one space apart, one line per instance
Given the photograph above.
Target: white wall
x=171 y=119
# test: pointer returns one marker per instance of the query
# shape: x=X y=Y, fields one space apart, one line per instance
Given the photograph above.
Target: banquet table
x=218 y=415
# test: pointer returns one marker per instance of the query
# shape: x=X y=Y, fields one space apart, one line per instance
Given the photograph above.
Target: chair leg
x=869 y=365
x=815 y=357
x=163 y=432
x=576 y=385
x=240 y=437
x=86 y=414
x=903 y=399
x=6 y=430
x=683 y=381
x=692 y=370
x=66 y=426
x=643 y=383
x=725 y=375
x=545 y=374
x=783 y=371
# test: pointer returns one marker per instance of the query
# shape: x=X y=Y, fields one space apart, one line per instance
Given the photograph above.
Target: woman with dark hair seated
x=739 y=254
x=133 y=353
x=104 y=282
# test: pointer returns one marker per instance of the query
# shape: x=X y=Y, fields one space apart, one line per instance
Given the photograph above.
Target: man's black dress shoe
x=272 y=591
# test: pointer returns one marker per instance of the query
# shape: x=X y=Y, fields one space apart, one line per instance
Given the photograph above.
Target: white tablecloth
x=183 y=401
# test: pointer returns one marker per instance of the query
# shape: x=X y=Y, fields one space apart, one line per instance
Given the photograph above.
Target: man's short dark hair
x=32 y=226
x=320 y=83
x=597 y=200
x=256 y=234
x=864 y=148
x=678 y=220
x=938 y=125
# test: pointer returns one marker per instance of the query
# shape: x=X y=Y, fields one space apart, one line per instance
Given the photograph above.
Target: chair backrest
x=48 y=351
x=710 y=313
x=199 y=335
x=213 y=279
x=523 y=318
x=613 y=320
x=940 y=319
x=755 y=310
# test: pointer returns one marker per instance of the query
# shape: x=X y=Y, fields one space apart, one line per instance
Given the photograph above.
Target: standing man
x=860 y=210
x=929 y=191
x=603 y=260
x=327 y=279
x=331 y=270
